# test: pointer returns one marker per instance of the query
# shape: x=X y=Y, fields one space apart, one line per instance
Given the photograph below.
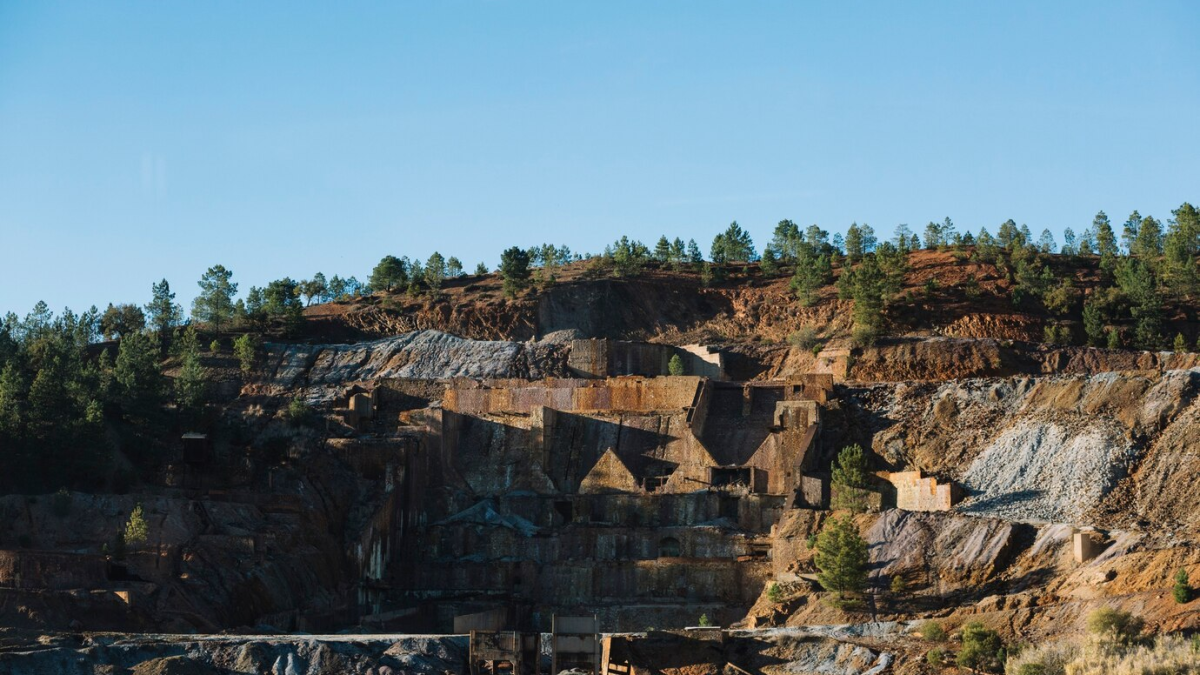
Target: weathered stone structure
x=1086 y=545
x=917 y=493
x=637 y=499
x=51 y=570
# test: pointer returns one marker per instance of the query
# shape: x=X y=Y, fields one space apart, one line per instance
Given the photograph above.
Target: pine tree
x=841 y=559
x=11 y=393
x=1130 y=232
x=733 y=245
x=1180 y=246
x=1149 y=242
x=136 y=529
x=47 y=392
x=816 y=238
x=986 y=248
x=1106 y=240
x=949 y=235
x=768 y=264
x=391 y=273
x=854 y=243
x=662 y=250
x=435 y=272
x=214 y=305
x=191 y=382
x=316 y=288
x=933 y=235
x=337 y=287
x=675 y=365
x=162 y=312
x=514 y=269
x=850 y=479
x=1068 y=247
x=678 y=253
x=1046 y=242
x=628 y=257
x=1182 y=591
x=867 y=286
x=1136 y=281
x=1093 y=322
x=246 y=348
x=893 y=263
x=1114 y=339
x=786 y=241
x=812 y=272
x=137 y=372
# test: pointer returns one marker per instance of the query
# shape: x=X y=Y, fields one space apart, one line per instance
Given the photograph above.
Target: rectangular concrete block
x=1085 y=546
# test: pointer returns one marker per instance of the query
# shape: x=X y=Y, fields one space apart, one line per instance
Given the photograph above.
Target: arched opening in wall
x=668 y=547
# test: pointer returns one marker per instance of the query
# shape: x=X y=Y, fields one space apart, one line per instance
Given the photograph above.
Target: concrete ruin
x=1086 y=545
x=575 y=645
x=637 y=499
x=358 y=406
x=507 y=652
x=917 y=493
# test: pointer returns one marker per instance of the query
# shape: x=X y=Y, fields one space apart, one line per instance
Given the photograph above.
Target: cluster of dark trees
x=57 y=394
x=1151 y=267
x=393 y=274
x=62 y=390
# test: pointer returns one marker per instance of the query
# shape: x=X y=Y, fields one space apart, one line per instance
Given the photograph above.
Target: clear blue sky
x=142 y=140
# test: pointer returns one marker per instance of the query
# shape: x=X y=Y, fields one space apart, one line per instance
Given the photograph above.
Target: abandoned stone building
x=635 y=499
x=916 y=493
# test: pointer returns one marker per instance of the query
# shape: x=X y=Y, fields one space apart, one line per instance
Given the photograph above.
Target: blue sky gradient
x=142 y=140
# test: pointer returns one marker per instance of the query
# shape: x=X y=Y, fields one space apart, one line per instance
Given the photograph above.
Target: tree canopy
x=841 y=559
x=214 y=305
x=514 y=270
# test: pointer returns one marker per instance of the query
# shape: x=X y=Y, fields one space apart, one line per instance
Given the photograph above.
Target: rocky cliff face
x=298 y=524
x=1105 y=449
x=422 y=355
x=1019 y=577
x=231 y=558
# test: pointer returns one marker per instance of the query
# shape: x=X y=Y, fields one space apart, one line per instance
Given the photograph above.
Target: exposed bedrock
x=1110 y=449
x=423 y=355
x=1021 y=578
